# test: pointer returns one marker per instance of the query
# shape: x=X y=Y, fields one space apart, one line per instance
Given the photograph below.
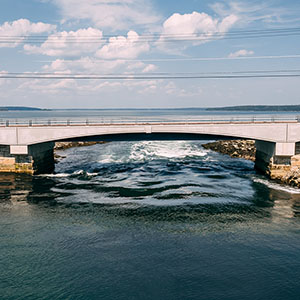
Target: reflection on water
x=150 y=179
x=148 y=220
x=15 y=188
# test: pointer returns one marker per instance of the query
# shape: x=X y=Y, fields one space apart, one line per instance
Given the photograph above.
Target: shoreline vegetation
x=258 y=108
x=21 y=108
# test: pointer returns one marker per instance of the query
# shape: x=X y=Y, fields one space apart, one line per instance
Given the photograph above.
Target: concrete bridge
x=29 y=148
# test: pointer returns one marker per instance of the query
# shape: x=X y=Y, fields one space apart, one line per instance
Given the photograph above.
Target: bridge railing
x=139 y=120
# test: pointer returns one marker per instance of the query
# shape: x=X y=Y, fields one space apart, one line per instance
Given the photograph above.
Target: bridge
x=28 y=148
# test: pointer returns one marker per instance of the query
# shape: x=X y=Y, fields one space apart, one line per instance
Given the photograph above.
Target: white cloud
x=195 y=26
x=120 y=47
x=70 y=43
x=87 y=65
x=16 y=30
x=3 y=81
x=83 y=65
x=135 y=65
x=49 y=86
x=172 y=89
x=254 y=11
x=240 y=53
x=112 y=14
x=149 y=68
x=140 y=66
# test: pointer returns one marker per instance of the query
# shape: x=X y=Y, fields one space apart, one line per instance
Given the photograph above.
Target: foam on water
x=277 y=186
x=151 y=150
x=157 y=173
x=62 y=175
x=170 y=150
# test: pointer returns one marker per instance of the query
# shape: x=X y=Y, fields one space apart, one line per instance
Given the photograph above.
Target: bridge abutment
x=276 y=159
x=264 y=153
x=33 y=159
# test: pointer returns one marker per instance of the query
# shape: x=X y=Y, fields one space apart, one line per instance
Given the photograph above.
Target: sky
x=147 y=38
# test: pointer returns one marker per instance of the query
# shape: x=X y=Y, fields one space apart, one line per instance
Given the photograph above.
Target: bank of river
x=246 y=149
x=235 y=148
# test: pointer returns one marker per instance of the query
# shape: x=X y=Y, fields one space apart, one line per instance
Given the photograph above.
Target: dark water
x=148 y=220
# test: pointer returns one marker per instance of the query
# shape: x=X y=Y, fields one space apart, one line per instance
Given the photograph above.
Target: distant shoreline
x=241 y=108
x=258 y=108
x=21 y=108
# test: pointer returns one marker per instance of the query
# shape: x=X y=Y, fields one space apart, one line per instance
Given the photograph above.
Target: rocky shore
x=67 y=145
x=245 y=149
x=234 y=148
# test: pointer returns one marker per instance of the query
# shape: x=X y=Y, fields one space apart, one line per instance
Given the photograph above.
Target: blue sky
x=129 y=23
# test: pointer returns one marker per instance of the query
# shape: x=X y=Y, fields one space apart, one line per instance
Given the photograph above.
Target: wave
x=102 y=198
x=75 y=173
x=155 y=150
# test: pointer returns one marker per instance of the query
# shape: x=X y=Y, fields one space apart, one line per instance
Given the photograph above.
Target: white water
x=277 y=186
x=153 y=150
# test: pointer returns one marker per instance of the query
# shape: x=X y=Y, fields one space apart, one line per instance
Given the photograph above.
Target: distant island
x=20 y=108
x=252 y=108
x=266 y=108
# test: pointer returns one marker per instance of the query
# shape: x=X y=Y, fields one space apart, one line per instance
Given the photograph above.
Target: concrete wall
x=37 y=159
x=264 y=152
x=272 y=132
x=277 y=160
x=42 y=157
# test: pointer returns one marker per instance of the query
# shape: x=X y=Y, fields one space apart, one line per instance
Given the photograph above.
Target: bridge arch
x=117 y=137
x=273 y=138
x=40 y=134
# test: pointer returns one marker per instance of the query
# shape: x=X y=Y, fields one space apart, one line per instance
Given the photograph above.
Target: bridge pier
x=32 y=159
x=276 y=159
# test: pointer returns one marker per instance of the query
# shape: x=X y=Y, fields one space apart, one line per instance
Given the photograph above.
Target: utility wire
x=134 y=41
x=195 y=37
x=151 y=74
x=260 y=31
x=178 y=59
x=150 y=77
x=157 y=76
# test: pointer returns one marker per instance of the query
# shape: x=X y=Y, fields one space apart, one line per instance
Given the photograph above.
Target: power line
x=274 y=30
x=151 y=74
x=180 y=59
x=151 y=77
x=156 y=76
x=167 y=38
x=160 y=41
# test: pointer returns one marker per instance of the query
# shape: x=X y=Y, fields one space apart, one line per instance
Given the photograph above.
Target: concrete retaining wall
x=38 y=159
x=264 y=152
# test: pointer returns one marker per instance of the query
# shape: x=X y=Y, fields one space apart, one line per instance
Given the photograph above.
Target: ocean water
x=148 y=220
x=136 y=115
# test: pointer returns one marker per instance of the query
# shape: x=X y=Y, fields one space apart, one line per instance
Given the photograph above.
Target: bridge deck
x=65 y=124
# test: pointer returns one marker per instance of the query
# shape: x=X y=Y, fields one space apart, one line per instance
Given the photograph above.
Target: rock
x=67 y=145
x=242 y=149
x=235 y=154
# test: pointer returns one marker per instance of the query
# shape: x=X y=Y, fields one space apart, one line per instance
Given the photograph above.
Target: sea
x=147 y=220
